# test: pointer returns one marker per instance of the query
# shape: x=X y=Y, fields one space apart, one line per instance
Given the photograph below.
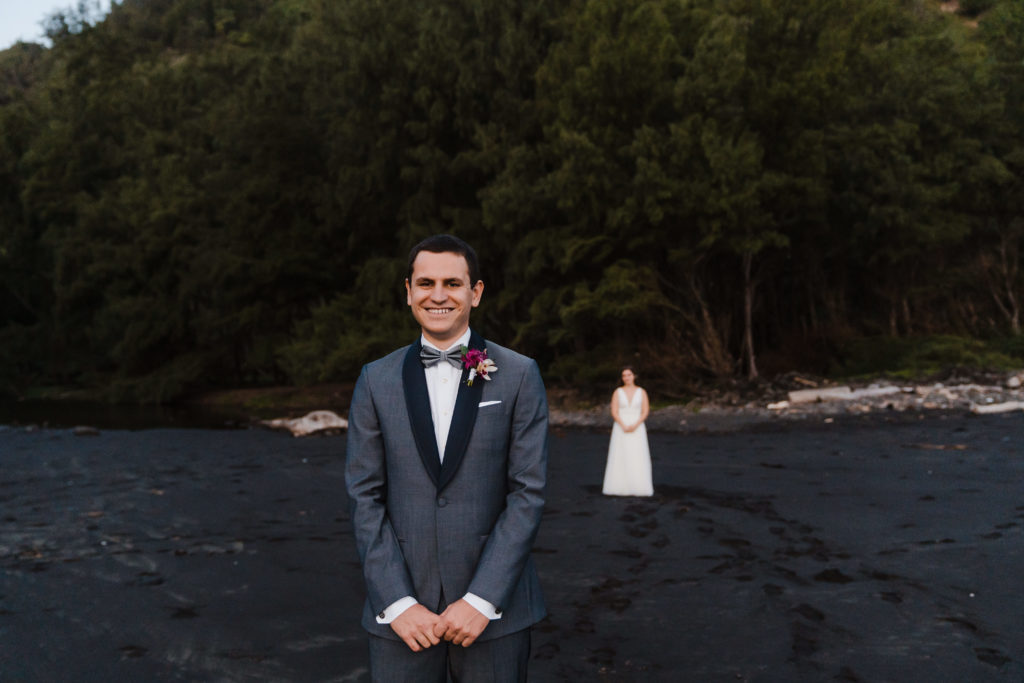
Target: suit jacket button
x=442 y=501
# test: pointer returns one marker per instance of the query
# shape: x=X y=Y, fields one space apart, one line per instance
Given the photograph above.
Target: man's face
x=441 y=296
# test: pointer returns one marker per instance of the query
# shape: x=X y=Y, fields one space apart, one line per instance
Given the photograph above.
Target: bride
x=628 y=472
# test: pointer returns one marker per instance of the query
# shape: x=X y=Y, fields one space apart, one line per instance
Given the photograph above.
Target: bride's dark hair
x=630 y=368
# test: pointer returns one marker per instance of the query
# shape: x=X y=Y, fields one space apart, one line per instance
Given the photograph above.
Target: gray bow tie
x=430 y=356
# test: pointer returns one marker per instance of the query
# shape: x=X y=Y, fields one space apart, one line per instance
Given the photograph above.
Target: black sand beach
x=861 y=550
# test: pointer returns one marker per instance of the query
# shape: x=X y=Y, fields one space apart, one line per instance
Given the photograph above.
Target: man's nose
x=438 y=293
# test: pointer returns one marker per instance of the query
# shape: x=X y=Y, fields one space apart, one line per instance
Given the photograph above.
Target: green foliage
x=339 y=337
x=593 y=372
x=1012 y=346
x=917 y=357
x=211 y=193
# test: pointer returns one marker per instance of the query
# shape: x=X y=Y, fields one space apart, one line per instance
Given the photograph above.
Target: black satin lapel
x=467 y=403
x=417 y=402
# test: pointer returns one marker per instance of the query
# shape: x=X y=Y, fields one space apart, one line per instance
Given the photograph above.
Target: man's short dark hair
x=442 y=244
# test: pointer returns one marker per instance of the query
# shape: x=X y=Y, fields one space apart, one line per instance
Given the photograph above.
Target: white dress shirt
x=443 y=387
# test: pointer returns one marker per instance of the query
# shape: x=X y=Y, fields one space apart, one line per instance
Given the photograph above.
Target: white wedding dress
x=628 y=472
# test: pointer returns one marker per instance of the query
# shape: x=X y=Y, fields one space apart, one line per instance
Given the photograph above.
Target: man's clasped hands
x=419 y=628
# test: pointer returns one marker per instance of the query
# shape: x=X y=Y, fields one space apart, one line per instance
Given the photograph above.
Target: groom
x=446 y=467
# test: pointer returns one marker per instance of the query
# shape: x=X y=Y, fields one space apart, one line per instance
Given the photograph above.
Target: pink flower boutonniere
x=478 y=364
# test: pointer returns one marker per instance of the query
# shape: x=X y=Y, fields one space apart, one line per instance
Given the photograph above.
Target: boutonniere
x=478 y=364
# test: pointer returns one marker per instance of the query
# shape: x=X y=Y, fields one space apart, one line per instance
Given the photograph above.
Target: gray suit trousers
x=501 y=660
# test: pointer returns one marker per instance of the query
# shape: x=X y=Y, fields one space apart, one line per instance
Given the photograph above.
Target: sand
x=859 y=550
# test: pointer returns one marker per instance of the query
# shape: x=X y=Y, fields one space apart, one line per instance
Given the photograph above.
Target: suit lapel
x=417 y=402
x=467 y=403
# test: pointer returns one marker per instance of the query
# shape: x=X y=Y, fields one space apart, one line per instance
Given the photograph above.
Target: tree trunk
x=1009 y=263
x=748 y=315
x=1001 y=278
x=813 y=311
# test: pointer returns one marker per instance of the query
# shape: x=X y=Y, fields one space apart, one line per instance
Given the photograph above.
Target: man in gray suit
x=446 y=468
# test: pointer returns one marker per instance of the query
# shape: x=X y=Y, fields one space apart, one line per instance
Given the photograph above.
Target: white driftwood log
x=316 y=421
x=1007 y=407
x=840 y=394
x=815 y=395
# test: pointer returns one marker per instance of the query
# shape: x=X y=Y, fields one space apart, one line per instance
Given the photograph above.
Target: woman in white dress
x=628 y=472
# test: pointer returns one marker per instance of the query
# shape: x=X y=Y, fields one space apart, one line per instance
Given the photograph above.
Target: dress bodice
x=627 y=403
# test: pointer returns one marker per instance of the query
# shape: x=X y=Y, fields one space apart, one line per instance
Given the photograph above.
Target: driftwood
x=316 y=421
x=816 y=395
x=843 y=393
x=1007 y=407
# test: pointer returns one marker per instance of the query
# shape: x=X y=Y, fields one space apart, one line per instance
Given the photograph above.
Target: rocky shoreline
x=785 y=400
x=795 y=398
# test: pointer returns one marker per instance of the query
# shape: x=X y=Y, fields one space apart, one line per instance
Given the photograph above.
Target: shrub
x=922 y=356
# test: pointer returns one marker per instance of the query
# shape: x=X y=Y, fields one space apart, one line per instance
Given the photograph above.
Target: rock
x=1007 y=407
x=84 y=430
x=815 y=395
x=316 y=421
x=934 y=390
x=1013 y=382
x=790 y=398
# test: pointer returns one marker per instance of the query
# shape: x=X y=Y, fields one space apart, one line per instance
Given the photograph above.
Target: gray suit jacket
x=425 y=529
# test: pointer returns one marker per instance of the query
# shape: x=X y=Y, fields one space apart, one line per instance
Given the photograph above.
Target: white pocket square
x=487 y=403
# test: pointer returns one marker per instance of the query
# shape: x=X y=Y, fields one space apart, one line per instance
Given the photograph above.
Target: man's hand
x=416 y=627
x=461 y=623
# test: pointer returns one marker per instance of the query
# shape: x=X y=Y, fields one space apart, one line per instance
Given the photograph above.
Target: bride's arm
x=645 y=407
x=615 y=408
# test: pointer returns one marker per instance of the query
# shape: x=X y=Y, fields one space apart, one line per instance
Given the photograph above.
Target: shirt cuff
x=392 y=611
x=482 y=606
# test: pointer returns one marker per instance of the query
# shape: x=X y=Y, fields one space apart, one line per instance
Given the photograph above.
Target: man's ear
x=478 y=292
x=408 y=293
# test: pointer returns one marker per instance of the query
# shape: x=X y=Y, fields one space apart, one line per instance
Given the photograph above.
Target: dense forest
x=218 y=193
